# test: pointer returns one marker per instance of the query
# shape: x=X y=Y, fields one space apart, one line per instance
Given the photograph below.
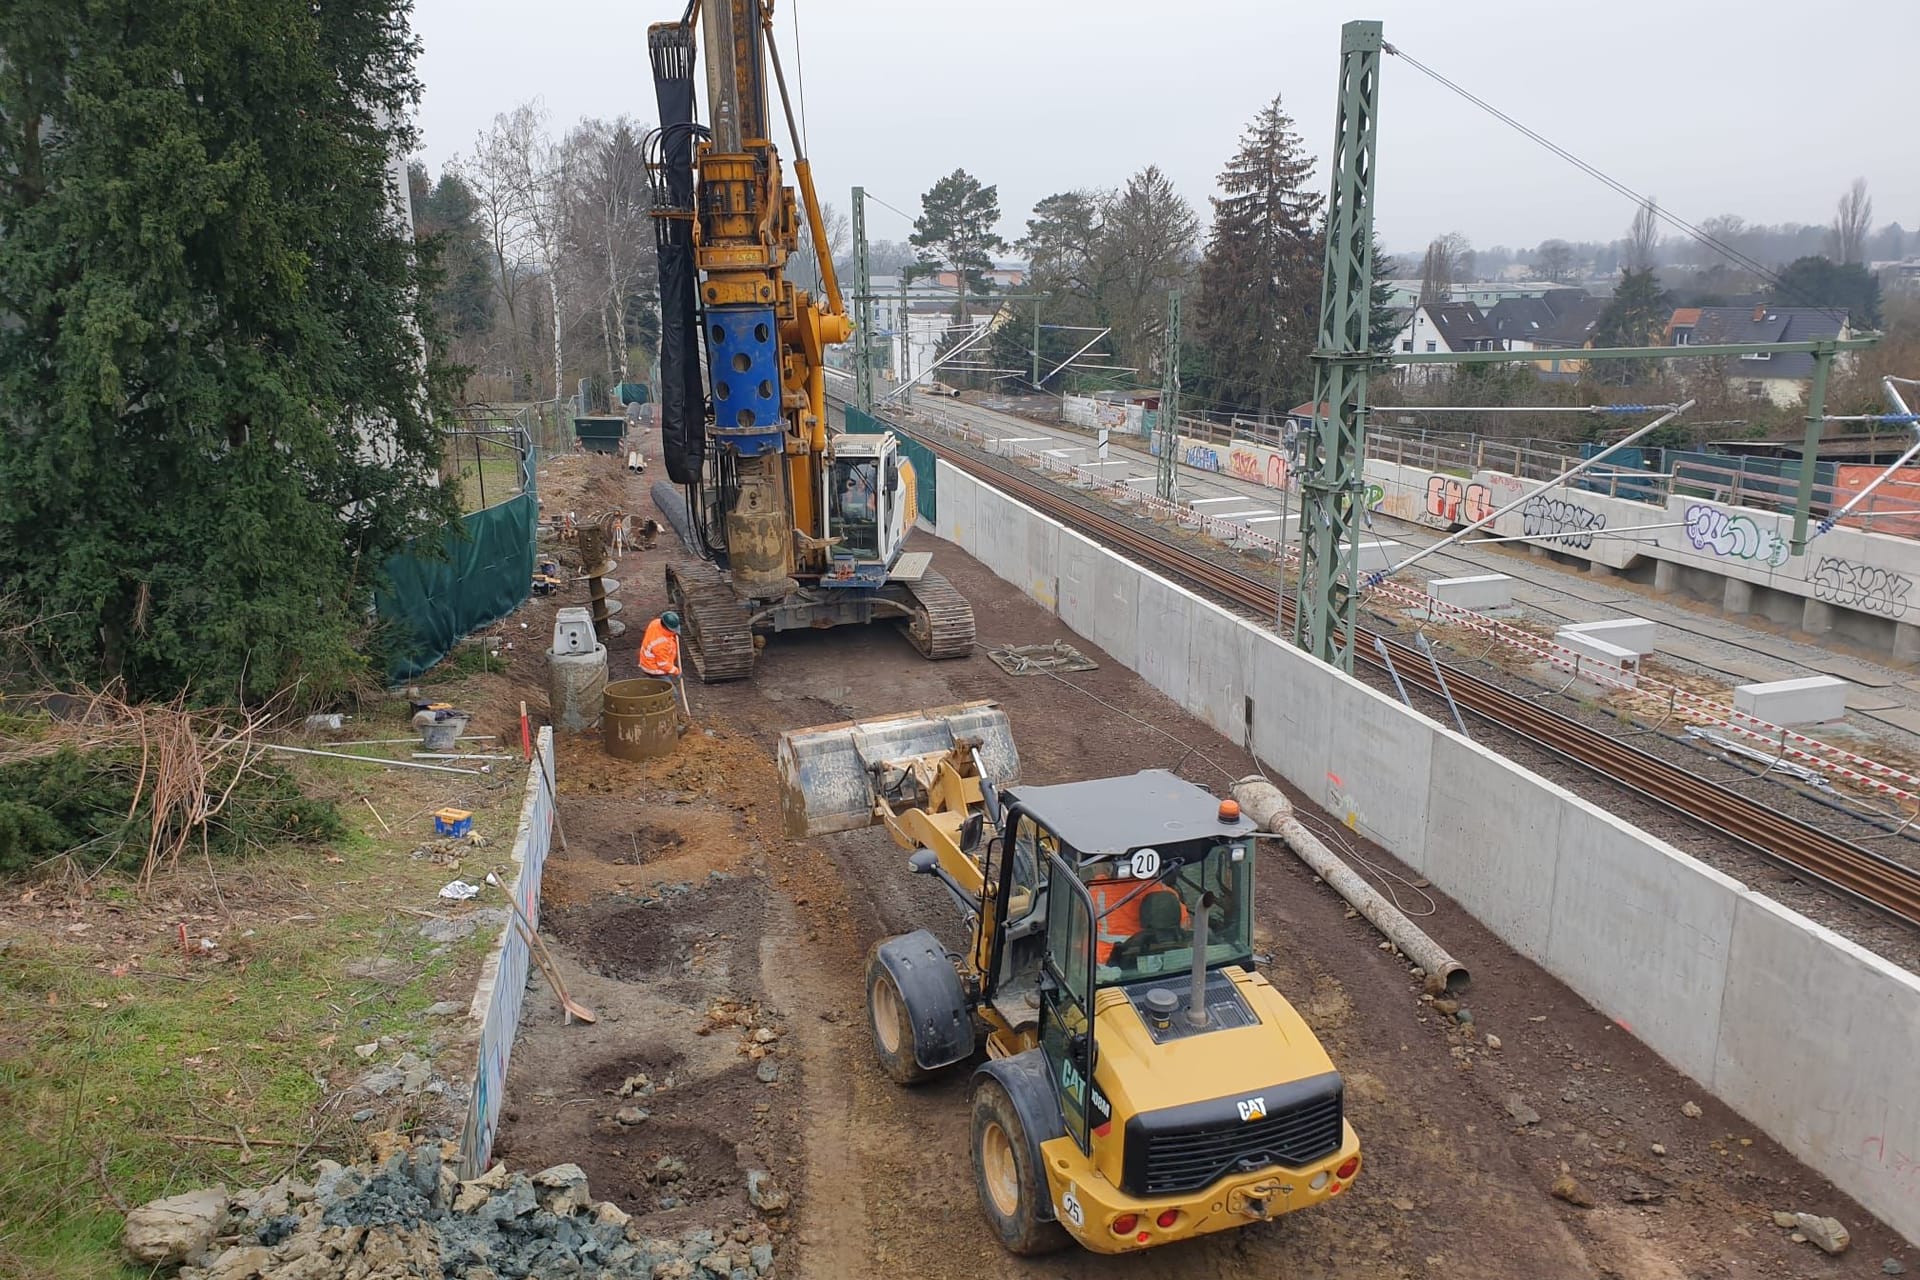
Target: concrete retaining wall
x=1085 y=411
x=1269 y=467
x=1808 y=1036
x=503 y=978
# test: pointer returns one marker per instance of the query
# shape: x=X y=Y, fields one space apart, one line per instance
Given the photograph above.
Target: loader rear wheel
x=1012 y=1188
x=892 y=1025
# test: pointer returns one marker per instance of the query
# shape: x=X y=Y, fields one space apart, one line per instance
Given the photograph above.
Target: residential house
x=1679 y=330
x=1443 y=326
x=1778 y=377
x=1562 y=320
x=1482 y=293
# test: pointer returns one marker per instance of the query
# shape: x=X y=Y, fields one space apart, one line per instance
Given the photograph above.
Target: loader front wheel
x=1012 y=1189
x=892 y=1025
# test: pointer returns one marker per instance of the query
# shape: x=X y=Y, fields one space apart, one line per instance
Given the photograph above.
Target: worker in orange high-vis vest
x=1125 y=909
x=660 y=648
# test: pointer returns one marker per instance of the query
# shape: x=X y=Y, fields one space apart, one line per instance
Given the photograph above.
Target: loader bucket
x=831 y=776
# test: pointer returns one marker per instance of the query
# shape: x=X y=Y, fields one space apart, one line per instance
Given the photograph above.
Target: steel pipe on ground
x=1266 y=805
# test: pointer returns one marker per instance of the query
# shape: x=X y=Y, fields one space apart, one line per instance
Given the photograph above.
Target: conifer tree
x=1257 y=315
x=216 y=403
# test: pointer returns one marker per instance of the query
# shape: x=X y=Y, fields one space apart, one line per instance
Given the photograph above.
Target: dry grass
x=132 y=1067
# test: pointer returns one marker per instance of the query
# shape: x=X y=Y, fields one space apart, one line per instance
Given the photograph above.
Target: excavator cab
x=862 y=494
x=1142 y=1084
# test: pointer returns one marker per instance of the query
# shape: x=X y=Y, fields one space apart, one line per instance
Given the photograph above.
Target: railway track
x=1807 y=851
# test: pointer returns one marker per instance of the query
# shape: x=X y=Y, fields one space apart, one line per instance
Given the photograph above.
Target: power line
x=883 y=204
x=800 y=71
x=1765 y=273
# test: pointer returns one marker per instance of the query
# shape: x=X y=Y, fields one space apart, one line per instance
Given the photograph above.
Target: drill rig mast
x=797 y=527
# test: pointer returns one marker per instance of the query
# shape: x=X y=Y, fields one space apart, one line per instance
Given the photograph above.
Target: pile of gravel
x=410 y=1216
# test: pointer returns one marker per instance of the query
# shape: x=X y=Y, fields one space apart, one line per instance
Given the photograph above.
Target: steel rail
x=1862 y=875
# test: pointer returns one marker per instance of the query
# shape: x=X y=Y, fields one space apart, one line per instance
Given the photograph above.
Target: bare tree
x=609 y=227
x=1449 y=259
x=1554 y=261
x=805 y=266
x=1852 y=221
x=1643 y=237
x=492 y=172
x=530 y=176
x=1727 y=229
x=1150 y=240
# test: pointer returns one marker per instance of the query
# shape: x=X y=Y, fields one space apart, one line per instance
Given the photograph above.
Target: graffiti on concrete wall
x=1376 y=494
x=1861 y=586
x=1458 y=501
x=1736 y=537
x=1262 y=466
x=1557 y=520
x=1201 y=457
x=1266 y=467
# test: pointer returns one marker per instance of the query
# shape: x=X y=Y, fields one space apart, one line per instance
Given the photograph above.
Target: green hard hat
x=670 y=620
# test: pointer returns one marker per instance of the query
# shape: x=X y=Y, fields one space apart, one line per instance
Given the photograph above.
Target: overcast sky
x=1764 y=108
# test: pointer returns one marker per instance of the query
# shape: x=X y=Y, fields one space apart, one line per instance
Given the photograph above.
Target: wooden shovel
x=542 y=957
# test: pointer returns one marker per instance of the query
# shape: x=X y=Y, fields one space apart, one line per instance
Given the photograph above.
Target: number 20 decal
x=1145 y=863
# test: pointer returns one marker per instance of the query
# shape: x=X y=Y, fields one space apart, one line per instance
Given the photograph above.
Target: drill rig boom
x=792 y=540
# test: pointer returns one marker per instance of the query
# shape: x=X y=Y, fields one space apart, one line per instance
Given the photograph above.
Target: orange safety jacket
x=660 y=650
x=1119 y=915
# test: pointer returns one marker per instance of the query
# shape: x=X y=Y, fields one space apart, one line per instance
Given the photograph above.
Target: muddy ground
x=726 y=964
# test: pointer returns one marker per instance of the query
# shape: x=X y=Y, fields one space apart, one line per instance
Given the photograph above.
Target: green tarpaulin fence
x=485 y=574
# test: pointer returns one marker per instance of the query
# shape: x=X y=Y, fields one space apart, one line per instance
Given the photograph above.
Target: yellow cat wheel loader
x=1141 y=1083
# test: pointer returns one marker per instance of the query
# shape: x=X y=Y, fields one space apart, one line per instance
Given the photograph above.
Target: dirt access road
x=728 y=967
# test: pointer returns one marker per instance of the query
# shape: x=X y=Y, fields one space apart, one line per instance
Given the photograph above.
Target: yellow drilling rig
x=797 y=527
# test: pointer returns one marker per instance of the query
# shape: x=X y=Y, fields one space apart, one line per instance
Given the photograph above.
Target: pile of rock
x=410 y=1216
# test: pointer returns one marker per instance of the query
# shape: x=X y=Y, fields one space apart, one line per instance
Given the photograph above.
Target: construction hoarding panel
x=484 y=572
x=1899 y=498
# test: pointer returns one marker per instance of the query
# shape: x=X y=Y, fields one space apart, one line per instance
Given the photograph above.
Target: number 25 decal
x=1070 y=1206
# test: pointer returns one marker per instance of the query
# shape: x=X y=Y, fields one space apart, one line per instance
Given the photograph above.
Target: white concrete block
x=1480 y=591
x=1378 y=757
x=1492 y=841
x=1378 y=556
x=1291 y=720
x=1819 y=1041
x=1810 y=700
x=1642 y=931
x=1164 y=622
x=1609 y=662
x=1629 y=633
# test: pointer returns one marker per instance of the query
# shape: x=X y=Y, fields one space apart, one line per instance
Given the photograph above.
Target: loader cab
x=863 y=497
x=1106 y=894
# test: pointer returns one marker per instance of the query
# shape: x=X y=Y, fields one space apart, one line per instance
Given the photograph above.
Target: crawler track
x=942 y=625
x=715 y=631
x=1810 y=853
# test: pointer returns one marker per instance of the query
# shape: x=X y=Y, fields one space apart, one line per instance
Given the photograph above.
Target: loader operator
x=660 y=648
x=1136 y=921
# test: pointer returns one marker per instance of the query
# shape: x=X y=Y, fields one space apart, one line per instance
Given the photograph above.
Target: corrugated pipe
x=1264 y=803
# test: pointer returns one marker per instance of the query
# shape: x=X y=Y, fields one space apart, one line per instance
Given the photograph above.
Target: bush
x=90 y=805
